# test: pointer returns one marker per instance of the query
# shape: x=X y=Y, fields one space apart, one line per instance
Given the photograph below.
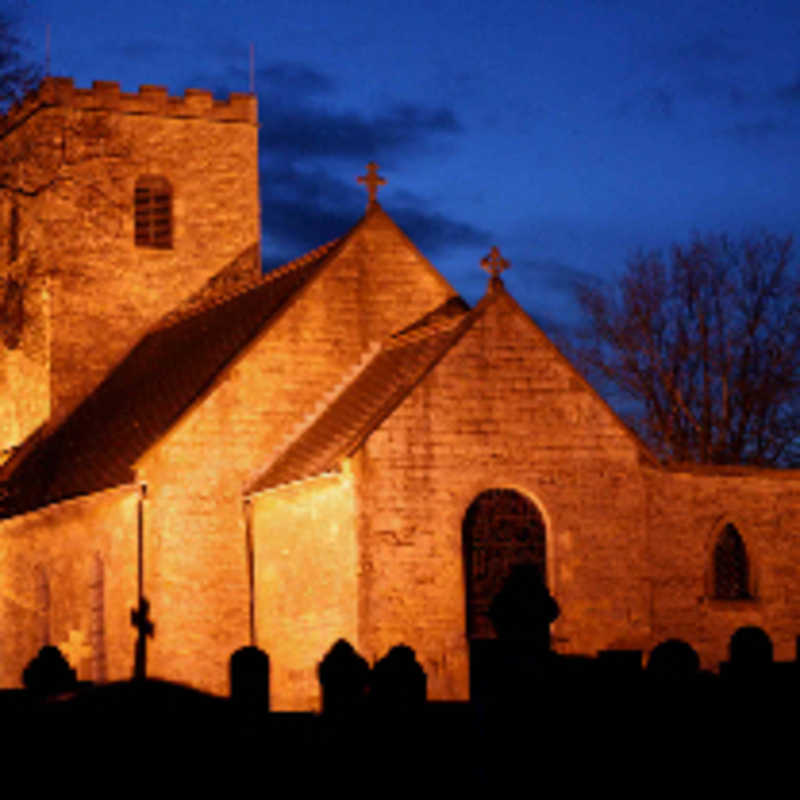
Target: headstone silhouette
x=344 y=678
x=523 y=609
x=750 y=651
x=49 y=673
x=249 y=675
x=508 y=669
x=673 y=660
x=399 y=683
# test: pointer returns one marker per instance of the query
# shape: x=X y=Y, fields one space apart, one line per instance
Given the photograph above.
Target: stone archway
x=500 y=529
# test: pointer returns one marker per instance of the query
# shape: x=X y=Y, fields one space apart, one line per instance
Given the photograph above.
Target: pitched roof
x=345 y=418
x=96 y=446
x=366 y=397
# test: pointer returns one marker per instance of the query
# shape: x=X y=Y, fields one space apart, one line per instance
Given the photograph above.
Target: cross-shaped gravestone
x=76 y=648
x=372 y=181
x=494 y=264
x=144 y=626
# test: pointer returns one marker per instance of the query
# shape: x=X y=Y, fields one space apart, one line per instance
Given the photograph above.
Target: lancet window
x=731 y=570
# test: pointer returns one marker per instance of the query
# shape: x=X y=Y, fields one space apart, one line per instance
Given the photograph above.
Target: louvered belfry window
x=731 y=571
x=153 y=212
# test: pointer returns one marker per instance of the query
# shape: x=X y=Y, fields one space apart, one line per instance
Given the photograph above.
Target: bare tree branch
x=707 y=344
x=17 y=74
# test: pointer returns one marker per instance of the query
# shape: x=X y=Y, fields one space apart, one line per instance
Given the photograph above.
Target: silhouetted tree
x=17 y=74
x=707 y=345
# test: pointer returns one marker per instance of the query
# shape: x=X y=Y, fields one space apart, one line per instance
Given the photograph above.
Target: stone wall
x=75 y=156
x=501 y=410
x=68 y=577
x=195 y=564
x=686 y=513
x=305 y=580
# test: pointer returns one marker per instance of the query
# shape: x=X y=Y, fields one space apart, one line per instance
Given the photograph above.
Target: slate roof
x=96 y=446
x=364 y=399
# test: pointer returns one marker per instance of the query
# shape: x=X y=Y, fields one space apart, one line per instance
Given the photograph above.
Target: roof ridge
x=320 y=407
x=182 y=314
x=436 y=339
x=430 y=328
x=301 y=261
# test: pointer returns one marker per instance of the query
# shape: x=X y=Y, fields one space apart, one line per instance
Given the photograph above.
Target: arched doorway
x=501 y=528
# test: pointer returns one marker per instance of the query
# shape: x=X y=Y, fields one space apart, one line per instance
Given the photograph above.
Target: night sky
x=569 y=133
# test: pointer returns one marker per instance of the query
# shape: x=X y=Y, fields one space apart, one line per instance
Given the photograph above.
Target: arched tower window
x=152 y=203
x=501 y=529
x=731 y=571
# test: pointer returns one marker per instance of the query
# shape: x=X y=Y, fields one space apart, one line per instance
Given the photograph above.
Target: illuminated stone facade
x=288 y=459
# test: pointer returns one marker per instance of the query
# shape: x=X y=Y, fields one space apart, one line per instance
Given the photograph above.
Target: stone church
x=339 y=448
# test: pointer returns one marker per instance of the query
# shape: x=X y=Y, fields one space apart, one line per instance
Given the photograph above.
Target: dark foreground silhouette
x=531 y=711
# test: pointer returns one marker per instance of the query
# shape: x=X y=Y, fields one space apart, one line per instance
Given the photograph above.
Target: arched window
x=152 y=203
x=501 y=529
x=731 y=570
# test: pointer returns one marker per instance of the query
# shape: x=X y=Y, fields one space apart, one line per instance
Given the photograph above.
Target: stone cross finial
x=372 y=181
x=494 y=264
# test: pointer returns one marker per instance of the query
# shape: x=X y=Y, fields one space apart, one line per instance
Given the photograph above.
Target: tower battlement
x=106 y=96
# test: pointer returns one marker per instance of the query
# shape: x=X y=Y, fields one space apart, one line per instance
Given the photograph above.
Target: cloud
x=303 y=130
x=433 y=232
x=790 y=94
x=300 y=116
x=551 y=274
x=707 y=49
x=707 y=68
x=294 y=77
x=306 y=139
x=303 y=208
x=758 y=131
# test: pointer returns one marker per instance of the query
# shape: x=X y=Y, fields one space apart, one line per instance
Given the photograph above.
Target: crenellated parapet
x=106 y=96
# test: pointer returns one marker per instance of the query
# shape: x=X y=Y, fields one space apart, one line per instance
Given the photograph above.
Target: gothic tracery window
x=153 y=212
x=731 y=572
x=501 y=529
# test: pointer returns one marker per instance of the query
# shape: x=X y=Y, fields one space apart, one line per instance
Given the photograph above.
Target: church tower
x=114 y=208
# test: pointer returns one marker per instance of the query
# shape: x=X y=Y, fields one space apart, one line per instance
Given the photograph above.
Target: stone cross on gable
x=494 y=264
x=372 y=181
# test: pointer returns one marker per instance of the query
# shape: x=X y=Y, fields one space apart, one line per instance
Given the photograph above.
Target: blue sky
x=568 y=133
